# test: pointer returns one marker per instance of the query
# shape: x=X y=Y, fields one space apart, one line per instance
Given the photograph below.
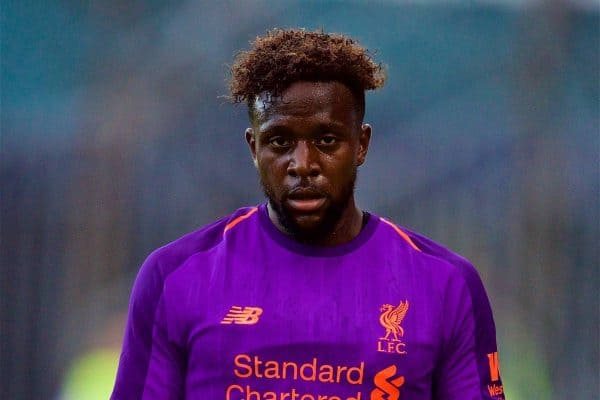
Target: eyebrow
x=273 y=126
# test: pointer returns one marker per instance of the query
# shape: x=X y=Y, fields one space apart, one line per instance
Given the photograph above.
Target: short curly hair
x=284 y=56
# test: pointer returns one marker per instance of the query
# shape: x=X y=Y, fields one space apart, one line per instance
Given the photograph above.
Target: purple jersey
x=238 y=310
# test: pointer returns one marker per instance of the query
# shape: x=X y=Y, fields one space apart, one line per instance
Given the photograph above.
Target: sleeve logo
x=242 y=315
x=495 y=389
x=391 y=318
x=387 y=388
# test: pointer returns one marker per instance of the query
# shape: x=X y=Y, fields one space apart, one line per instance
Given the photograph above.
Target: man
x=307 y=297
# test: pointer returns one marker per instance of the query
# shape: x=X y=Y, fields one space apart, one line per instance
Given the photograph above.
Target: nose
x=303 y=161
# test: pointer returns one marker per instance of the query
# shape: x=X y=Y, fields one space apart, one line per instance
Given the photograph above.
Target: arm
x=146 y=348
x=468 y=368
x=166 y=373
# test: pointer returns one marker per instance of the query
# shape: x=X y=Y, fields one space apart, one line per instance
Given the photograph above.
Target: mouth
x=305 y=200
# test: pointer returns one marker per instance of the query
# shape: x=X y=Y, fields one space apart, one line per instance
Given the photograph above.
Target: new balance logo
x=242 y=316
x=387 y=388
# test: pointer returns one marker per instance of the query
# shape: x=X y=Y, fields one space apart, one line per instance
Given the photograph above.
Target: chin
x=308 y=223
x=307 y=228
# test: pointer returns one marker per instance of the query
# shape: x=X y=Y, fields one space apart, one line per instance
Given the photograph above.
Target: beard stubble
x=332 y=215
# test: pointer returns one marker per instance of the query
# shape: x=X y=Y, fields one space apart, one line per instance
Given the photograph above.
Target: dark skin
x=307 y=145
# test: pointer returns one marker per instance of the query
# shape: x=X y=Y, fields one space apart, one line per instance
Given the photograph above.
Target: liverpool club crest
x=390 y=319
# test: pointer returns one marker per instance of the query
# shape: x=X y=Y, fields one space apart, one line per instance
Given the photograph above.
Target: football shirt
x=239 y=310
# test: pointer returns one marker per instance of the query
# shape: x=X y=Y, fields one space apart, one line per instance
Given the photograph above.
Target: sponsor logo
x=247 y=366
x=386 y=386
x=494 y=366
x=248 y=369
x=391 y=317
x=242 y=315
x=299 y=376
x=495 y=389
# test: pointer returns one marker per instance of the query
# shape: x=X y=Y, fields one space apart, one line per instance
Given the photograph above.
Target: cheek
x=343 y=174
x=341 y=167
x=270 y=171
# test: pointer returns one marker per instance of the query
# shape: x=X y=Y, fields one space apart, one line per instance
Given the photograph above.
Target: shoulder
x=432 y=250
x=461 y=266
x=168 y=258
x=453 y=272
x=463 y=280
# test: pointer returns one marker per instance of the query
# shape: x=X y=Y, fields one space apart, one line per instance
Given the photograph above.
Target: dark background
x=115 y=139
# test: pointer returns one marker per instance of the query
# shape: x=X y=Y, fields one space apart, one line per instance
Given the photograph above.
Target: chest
x=326 y=327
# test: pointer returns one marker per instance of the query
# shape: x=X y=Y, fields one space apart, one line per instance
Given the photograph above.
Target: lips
x=305 y=200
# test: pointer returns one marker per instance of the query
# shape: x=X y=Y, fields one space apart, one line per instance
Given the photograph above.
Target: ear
x=251 y=140
x=363 y=143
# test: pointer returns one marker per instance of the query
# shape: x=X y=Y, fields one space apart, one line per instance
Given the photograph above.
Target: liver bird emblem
x=391 y=318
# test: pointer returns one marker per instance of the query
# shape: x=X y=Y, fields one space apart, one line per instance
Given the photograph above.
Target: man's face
x=307 y=145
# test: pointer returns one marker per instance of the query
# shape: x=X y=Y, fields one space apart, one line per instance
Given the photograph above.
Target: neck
x=345 y=229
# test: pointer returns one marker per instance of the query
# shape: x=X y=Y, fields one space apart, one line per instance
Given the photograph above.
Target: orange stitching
x=401 y=233
x=239 y=219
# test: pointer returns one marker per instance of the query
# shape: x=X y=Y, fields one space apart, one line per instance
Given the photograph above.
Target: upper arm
x=468 y=368
x=166 y=370
x=138 y=339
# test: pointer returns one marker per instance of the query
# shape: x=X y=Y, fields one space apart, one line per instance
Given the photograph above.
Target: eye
x=327 y=140
x=279 y=141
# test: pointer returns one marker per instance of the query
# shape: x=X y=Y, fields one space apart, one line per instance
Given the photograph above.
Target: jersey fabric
x=239 y=310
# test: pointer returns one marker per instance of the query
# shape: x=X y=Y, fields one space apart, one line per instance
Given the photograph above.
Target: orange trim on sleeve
x=239 y=219
x=401 y=233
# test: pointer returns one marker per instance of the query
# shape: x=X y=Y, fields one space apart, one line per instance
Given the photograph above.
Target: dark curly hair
x=284 y=56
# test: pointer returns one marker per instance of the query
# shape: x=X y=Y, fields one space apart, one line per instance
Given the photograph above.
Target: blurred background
x=116 y=139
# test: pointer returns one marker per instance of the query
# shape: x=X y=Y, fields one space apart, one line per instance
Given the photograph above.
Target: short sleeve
x=137 y=341
x=166 y=370
x=468 y=368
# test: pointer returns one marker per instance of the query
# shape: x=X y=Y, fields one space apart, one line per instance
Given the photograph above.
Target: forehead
x=331 y=101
